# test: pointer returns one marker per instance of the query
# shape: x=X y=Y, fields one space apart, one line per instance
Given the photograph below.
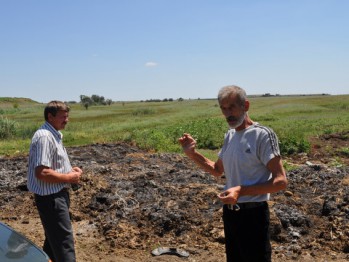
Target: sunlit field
x=156 y=126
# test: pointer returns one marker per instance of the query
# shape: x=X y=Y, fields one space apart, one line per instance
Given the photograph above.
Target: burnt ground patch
x=133 y=200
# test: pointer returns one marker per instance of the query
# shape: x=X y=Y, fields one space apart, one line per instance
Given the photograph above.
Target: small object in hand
x=75 y=186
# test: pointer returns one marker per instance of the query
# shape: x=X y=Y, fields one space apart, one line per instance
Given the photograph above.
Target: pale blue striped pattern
x=47 y=149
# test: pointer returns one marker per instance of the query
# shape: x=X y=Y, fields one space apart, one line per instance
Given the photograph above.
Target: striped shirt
x=245 y=155
x=47 y=150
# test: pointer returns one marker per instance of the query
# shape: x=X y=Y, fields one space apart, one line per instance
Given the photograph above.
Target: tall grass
x=157 y=125
x=7 y=128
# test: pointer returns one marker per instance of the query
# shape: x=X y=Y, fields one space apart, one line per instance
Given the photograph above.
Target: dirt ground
x=131 y=202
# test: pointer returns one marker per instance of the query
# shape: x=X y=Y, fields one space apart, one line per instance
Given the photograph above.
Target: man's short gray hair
x=227 y=91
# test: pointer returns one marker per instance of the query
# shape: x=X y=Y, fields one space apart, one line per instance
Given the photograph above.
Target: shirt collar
x=55 y=132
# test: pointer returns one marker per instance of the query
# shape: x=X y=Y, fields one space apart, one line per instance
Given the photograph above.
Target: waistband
x=64 y=190
x=246 y=205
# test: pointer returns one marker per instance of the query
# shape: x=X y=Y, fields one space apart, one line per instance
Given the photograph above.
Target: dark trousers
x=247 y=234
x=54 y=213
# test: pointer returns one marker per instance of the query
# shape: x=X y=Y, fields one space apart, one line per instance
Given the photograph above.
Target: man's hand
x=188 y=143
x=75 y=175
x=230 y=196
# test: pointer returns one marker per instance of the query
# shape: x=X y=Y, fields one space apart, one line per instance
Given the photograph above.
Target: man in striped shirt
x=251 y=162
x=50 y=174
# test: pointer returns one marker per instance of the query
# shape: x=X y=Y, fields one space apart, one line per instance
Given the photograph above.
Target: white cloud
x=151 y=64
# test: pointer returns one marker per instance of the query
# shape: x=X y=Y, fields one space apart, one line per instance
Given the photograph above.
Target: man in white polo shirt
x=250 y=159
x=50 y=174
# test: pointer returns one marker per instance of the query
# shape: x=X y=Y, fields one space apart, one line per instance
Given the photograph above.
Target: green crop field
x=157 y=125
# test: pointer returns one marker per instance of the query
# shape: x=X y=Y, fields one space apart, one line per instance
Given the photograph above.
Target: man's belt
x=246 y=205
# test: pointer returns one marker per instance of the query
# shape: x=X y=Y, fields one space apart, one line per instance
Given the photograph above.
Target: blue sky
x=129 y=50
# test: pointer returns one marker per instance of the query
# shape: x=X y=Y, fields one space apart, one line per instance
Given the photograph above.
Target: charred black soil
x=132 y=201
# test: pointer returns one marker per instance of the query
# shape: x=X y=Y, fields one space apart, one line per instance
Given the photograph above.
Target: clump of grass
x=9 y=111
x=289 y=166
x=155 y=139
x=7 y=128
x=26 y=132
x=143 y=111
x=344 y=151
x=292 y=145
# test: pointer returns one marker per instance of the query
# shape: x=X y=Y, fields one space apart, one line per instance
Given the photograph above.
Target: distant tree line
x=158 y=100
x=162 y=100
x=88 y=101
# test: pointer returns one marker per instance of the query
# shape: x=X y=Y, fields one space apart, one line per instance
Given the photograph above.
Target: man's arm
x=277 y=182
x=189 y=144
x=49 y=175
x=215 y=168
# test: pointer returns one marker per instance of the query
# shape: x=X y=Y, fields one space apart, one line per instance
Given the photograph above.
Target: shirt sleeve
x=44 y=151
x=269 y=146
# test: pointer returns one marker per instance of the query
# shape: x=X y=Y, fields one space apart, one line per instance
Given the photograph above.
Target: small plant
x=291 y=145
x=289 y=166
x=328 y=131
x=344 y=151
x=7 y=128
x=336 y=162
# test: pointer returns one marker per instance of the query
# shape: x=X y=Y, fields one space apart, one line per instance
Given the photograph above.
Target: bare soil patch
x=132 y=201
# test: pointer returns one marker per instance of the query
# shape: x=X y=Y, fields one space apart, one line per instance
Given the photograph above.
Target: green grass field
x=157 y=125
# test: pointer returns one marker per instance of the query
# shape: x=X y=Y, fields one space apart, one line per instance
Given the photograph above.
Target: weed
x=7 y=128
x=344 y=151
x=289 y=166
x=292 y=145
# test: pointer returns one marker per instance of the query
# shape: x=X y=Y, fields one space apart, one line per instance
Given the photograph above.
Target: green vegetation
x=157 y=125
x=7 y=128
x=344 y=151
x=6 y=102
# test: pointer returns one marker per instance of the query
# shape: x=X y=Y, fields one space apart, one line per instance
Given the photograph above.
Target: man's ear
x=50 y=117
x=247 y=105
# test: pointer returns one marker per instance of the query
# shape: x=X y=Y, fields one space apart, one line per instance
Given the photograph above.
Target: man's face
x=60 y=120
x=233 y=111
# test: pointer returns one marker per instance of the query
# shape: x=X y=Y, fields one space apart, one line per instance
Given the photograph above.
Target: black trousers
x=247 y=234
x=59 y=238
